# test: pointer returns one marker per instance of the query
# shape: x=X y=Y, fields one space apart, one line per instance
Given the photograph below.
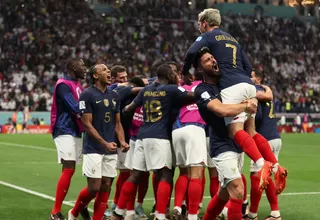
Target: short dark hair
x=259 y=73
x=197 y=61
x=92 y=70
x=117 y=69
x=163 y=71
x=70 y=62
x=137 y=81
x=172 y=63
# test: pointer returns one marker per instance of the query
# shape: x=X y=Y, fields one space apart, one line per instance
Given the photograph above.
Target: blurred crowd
x=37 y=36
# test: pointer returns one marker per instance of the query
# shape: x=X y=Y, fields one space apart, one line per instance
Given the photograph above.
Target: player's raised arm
x=266 y=95
x=135 y=103
x=64 y=93
x=192 y=53
x=246 y=63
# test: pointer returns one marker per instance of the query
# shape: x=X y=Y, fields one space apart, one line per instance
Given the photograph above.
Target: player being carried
x=100 y=110
x=235 y=86
x=66 y=129
x=225 y=153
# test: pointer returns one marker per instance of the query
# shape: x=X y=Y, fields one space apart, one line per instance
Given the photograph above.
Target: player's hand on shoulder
x=110 y=146
x=124 y=146
x=252 y=105
x=123 y=84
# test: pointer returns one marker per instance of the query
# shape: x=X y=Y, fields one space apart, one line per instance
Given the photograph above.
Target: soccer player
x=189 y=143
x=266 y=125
x=127 y=93
x=223 y=150
x=236 y=86
x=119 y=74
x=100 y=111
x=67 y=128
x=152 y=147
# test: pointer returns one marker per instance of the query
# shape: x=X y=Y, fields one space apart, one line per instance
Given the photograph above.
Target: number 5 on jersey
x=153 y=111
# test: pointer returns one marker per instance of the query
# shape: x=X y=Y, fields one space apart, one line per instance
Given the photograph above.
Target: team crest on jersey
x=106 y=102
x=114 y=102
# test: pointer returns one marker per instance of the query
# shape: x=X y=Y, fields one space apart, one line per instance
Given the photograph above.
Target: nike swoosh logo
x=98 y=101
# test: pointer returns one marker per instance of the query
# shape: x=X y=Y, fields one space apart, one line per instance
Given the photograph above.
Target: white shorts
x=275 y=145
x=236 y=94
x=190 y=147
x=130 y=153
x=209 y=160
x=99 y=165
x=121 y=159
x=69 y=148
x=227 y=165
x=152 y=154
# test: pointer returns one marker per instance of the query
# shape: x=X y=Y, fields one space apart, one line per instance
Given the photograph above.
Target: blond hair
x=210 y=15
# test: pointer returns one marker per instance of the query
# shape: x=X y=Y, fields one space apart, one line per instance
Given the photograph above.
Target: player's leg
x=92 y=169
x=178 y=142
x=231 y=186
x=129 y=188
x=159 y=158
x=123 y=175
x=180 y=190
x=196 y=148
x=142 y=192
x=271 y=189
x=109 y=172
x=68 y=154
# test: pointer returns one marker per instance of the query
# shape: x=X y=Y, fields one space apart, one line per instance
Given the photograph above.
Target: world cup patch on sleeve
x=82 y=105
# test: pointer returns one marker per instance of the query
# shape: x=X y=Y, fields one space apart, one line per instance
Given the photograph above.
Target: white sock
x=192 y=217
x=275 y=167
x=178 y=209
x=260 y=163
x=252 y=215
x=275 y=214
x=139 y=204
x=200 y=204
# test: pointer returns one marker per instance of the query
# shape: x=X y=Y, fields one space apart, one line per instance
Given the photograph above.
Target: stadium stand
x=38 y=36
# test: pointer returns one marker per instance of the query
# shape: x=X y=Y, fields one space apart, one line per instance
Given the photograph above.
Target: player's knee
x=236 y=189
x=196 y=172
x=135 y=176
x=166 y=175
x=213 y=172
x=106 y=184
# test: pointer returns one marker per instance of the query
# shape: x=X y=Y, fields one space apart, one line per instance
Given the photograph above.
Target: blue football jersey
x=158 y=102
x=232 y=61
x=103 y=106
x=266 y=122
x=220 y=141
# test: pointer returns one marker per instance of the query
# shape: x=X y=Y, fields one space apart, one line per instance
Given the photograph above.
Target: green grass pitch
x=30 y=162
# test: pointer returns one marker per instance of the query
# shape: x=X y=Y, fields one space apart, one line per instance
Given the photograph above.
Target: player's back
x=266 y=122
x=233 y=63
x=220 y=140
x=158 y=102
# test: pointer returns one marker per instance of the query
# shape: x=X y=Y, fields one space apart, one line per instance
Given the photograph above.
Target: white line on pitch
x=35 y=193
x=25 y=146
x=29 y=162
x=208 y=197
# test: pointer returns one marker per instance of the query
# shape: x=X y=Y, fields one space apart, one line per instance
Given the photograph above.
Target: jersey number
x=152 y=109
x=271 y=114
x=107 y=117
x=234 y=54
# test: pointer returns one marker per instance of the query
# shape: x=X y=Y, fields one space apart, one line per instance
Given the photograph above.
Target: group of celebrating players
x=190 y=121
